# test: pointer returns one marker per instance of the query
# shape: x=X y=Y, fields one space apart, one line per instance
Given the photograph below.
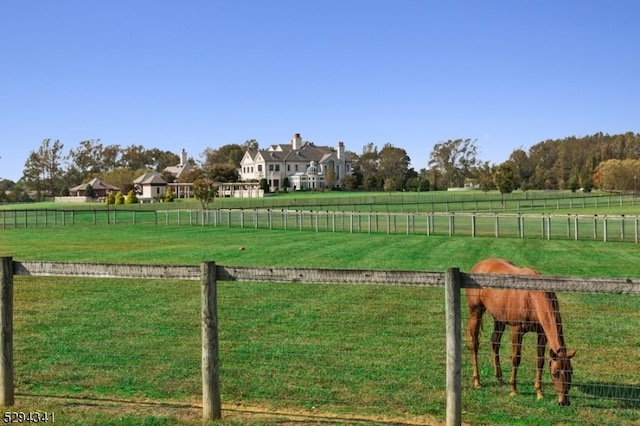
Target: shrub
x=89 y=192
x=119 y=198
x=264 y=185
x=131 y=198
x=168 y=195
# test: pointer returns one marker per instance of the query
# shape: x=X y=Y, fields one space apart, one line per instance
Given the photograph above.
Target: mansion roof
x=286 y=153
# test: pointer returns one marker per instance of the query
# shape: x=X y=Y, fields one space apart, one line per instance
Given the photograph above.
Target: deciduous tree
x=226 y=154
x=454 y=160
x=503 y=178
x=393 y=167
x=330 y=178
x=205 y=190
x=367 y=165
x=43 y=172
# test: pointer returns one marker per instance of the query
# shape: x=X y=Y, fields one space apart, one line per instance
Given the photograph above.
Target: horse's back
x=501 y=266
x=501 y=303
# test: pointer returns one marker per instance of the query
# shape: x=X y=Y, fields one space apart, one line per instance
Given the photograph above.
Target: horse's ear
x=554 y=356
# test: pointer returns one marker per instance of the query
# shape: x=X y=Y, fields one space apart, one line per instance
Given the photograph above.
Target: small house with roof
x=149 y=186
x=304 y=164
x=100 y=188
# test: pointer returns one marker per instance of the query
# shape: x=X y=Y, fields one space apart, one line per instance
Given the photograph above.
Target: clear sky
x=204 y=73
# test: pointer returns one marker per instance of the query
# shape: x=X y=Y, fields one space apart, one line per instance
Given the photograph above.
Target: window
x=259 y=167
x=270 y=167
x=277 y=167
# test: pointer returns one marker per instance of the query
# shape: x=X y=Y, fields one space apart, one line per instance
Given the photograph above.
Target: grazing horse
x=524 y=311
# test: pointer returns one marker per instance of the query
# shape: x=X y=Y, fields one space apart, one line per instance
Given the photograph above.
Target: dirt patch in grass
x=87 y=411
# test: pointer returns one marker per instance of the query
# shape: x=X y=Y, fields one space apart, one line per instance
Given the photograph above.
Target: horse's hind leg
x=516 y=343
x=498 y=329
x=475 y=318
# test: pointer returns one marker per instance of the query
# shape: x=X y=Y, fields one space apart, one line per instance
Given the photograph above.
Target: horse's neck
x=549 y=318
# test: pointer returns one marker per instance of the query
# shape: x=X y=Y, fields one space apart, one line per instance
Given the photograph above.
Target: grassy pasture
x=368 y=352
x=360 y=346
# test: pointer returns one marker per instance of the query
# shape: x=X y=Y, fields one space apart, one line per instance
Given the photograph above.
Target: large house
x=305 y=165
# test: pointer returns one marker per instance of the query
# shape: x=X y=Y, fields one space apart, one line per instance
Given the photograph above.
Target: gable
x=248 y=157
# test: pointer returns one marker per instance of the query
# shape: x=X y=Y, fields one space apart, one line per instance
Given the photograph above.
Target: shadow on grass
x=627 y=396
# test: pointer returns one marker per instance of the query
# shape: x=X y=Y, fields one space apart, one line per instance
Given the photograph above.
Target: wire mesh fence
x=339 y=348
x=107 y=338
x=330 y=347
x=358 y=349
x=598 y=318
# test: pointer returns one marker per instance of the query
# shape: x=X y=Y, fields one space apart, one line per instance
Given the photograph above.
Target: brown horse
x=524 y=311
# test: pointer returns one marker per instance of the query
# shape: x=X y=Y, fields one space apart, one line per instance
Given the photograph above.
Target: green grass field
x=86 y=346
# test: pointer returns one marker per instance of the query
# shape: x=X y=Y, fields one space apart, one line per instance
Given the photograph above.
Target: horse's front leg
x=516 y=348
x=542 y=344
x=498 y=329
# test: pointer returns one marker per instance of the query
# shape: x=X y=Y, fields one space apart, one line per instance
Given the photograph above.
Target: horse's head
x=561 y=374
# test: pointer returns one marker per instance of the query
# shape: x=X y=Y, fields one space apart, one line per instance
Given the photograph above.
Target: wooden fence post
x=6 y=332
x=473 y=225
x=211 y=402
x=454 y=347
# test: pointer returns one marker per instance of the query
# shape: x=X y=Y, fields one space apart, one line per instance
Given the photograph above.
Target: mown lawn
x=357 y=350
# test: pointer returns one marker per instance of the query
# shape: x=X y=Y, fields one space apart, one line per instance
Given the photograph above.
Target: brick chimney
x=340 y=150
x=296 y=141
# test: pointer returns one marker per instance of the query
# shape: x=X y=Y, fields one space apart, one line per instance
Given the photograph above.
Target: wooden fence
x=208 y=273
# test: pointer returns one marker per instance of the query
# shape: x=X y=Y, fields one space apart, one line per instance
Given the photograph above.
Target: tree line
x=608 y=162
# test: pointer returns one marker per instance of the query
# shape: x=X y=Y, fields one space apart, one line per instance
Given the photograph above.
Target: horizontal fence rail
x=208 y=273
x=325 y=276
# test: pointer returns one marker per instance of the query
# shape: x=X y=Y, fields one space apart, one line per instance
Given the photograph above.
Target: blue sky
x=204 y=73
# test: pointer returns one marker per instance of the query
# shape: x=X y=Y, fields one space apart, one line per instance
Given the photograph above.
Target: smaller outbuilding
x=150 y=186
x=100 y=189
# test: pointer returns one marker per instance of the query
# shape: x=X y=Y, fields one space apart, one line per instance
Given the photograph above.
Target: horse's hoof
x=540 y=396
x=513 y=393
